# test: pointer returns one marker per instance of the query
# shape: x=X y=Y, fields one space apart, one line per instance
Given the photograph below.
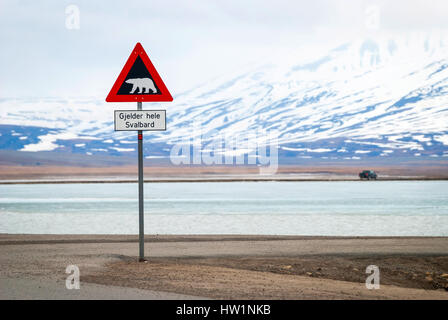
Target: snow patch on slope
x=47 y=142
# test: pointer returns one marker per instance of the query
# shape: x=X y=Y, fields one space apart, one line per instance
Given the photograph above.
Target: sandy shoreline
x=227 y=267
x=242 y=179
x=12 y=174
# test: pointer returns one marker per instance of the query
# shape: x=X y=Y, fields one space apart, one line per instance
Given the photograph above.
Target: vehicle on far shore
x=368 y=175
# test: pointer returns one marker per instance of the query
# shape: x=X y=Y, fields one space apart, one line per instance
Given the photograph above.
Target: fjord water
x=364 y=208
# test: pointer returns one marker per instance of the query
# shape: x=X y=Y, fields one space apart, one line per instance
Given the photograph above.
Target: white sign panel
x=133 y=120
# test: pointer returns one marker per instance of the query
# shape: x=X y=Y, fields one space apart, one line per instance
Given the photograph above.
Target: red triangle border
x=165 y=94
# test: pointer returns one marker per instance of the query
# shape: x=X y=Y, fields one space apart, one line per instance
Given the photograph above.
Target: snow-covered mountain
x=384 y=97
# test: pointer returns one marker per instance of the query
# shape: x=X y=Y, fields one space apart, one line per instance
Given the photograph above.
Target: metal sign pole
x=139 y=120
x=141 y=230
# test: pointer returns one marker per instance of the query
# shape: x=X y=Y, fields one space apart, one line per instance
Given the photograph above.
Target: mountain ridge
x=367 y=99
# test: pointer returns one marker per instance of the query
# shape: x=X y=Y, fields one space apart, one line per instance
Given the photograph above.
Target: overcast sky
x=189 y=42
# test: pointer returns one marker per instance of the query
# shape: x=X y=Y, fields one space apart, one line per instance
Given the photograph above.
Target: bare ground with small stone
x=235 y=267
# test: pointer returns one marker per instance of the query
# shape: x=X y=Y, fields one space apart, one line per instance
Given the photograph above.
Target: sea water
x=364 y=208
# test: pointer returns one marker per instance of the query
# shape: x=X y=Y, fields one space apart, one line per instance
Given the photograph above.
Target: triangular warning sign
x=139 y=81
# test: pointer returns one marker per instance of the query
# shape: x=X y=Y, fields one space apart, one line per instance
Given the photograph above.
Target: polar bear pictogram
x=143 y=85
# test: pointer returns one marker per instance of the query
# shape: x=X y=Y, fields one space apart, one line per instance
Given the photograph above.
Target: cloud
x=189 y=41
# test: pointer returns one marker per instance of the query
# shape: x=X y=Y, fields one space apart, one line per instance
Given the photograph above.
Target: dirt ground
x=234 y=267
